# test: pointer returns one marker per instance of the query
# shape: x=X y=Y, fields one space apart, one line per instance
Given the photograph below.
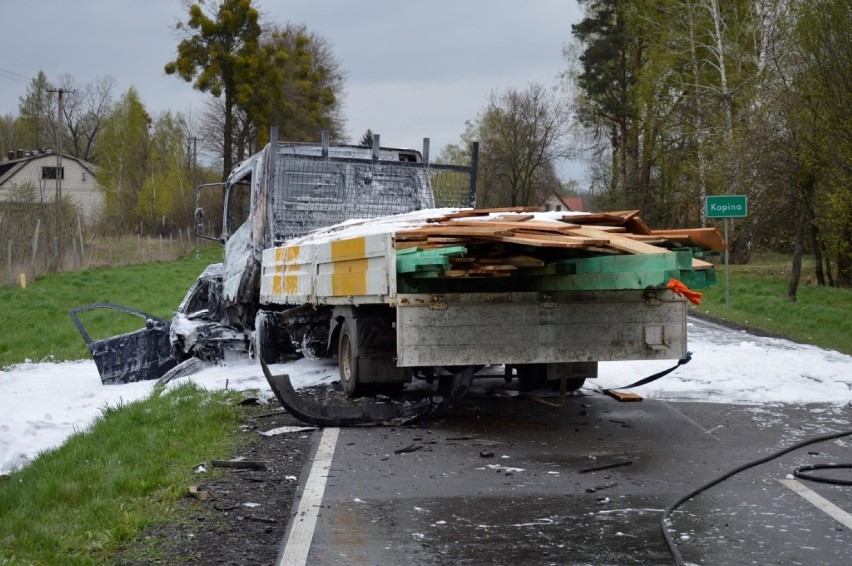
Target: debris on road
x=605 y=467
x=240 y=463
x=286 y=430
x=200 y=494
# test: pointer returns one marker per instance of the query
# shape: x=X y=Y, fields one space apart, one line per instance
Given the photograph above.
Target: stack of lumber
x=612 y=250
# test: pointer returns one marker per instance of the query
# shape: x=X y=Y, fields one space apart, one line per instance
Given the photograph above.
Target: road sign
x=727 y=206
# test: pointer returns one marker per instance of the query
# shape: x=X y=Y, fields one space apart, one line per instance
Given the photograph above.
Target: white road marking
x=692 y=421
x=295 y=552
x=820 y=502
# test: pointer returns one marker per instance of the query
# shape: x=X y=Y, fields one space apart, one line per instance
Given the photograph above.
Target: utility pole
x=194 y=163
x=57 y=263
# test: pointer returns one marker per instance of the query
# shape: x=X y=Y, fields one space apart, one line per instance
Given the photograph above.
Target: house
x=556 y=203
x=31 y=176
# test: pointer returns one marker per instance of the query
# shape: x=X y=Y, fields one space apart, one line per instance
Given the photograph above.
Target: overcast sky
x=414 y=69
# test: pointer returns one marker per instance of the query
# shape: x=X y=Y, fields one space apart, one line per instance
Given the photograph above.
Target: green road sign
x=728 y=206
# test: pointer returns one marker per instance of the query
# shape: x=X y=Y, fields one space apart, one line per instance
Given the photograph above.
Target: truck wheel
x=347 y=360
x=265 y=343
x=572 y=384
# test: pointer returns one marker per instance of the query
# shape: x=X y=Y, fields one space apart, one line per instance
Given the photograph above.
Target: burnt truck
x=379 y=257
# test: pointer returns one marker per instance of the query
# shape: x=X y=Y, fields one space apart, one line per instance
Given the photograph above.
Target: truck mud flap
x=135 y=356
x=364 y=412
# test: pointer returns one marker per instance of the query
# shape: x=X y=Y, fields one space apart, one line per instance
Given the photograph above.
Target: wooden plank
x=571 y=238
x=413 y=244
x=619 y=242
x=637 y=226
x=609 y=229
x=648 y=239
x=529 y=225
x=623 y=396
x=515 y=217
x=699 y=264
x=446 y=240
x=489 y=273
x=523 y=261
x=543 y=240
x=501 y=267
x=616 y=218
x=707 y=238
x=625 y=214
x=462 y=260
x=486 y=211
x=444 y=230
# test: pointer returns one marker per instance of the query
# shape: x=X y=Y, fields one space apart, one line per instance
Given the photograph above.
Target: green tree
x=366 y=139
x=310 y=86
x=124 y=147
x=13 y=134
x=221 y=53
x=822 y=119
x=605 y=80
x=166 y=199
x=303 y=98
x=35 y=109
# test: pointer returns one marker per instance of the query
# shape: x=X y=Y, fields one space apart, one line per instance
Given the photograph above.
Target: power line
x=13 y=76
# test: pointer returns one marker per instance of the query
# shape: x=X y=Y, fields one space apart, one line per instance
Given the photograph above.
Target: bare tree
x=86 y=112
x=523 y=134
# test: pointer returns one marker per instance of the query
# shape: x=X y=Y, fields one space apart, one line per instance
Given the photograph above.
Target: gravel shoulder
x=246 y=516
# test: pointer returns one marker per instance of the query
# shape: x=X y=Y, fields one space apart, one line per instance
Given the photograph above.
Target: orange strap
x=678 y=287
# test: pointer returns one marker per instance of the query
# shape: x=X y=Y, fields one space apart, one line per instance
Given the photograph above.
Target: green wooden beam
x=421 y=260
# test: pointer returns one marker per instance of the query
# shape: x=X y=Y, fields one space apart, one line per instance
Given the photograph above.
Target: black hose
x=800 y=473
x=664 y=527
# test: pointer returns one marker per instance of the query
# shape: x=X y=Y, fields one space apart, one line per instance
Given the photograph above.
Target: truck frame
x=316 y=264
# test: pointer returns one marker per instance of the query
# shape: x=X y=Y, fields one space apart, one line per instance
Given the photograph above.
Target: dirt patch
x=245 y=521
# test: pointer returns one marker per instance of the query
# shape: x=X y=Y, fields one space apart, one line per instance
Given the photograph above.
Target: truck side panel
x=351 y=271
x=522 y=328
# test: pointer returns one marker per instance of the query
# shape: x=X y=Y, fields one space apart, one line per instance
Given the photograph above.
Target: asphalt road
x=510 y=480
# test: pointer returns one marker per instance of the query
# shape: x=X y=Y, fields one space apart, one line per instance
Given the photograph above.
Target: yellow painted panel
x=349 y=277
x=353 y=248
x=277 y=284
x=292 y=253
x=291 y=284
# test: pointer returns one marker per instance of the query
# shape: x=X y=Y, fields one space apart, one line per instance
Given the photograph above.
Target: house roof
x=574 y=204
x=10 y=168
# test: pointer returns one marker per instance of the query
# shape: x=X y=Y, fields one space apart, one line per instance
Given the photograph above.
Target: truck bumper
x=523 y=328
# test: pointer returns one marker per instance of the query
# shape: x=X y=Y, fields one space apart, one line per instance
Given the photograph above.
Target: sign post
x=727 y=206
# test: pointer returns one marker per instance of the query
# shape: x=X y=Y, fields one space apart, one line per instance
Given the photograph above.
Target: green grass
x=78 y=504
x=36 y=324
x=821 y=316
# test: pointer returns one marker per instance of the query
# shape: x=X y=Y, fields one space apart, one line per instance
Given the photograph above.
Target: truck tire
x=347 y=360
x=265 y=342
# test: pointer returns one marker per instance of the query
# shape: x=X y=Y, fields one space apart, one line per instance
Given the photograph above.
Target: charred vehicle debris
x=379 y=258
